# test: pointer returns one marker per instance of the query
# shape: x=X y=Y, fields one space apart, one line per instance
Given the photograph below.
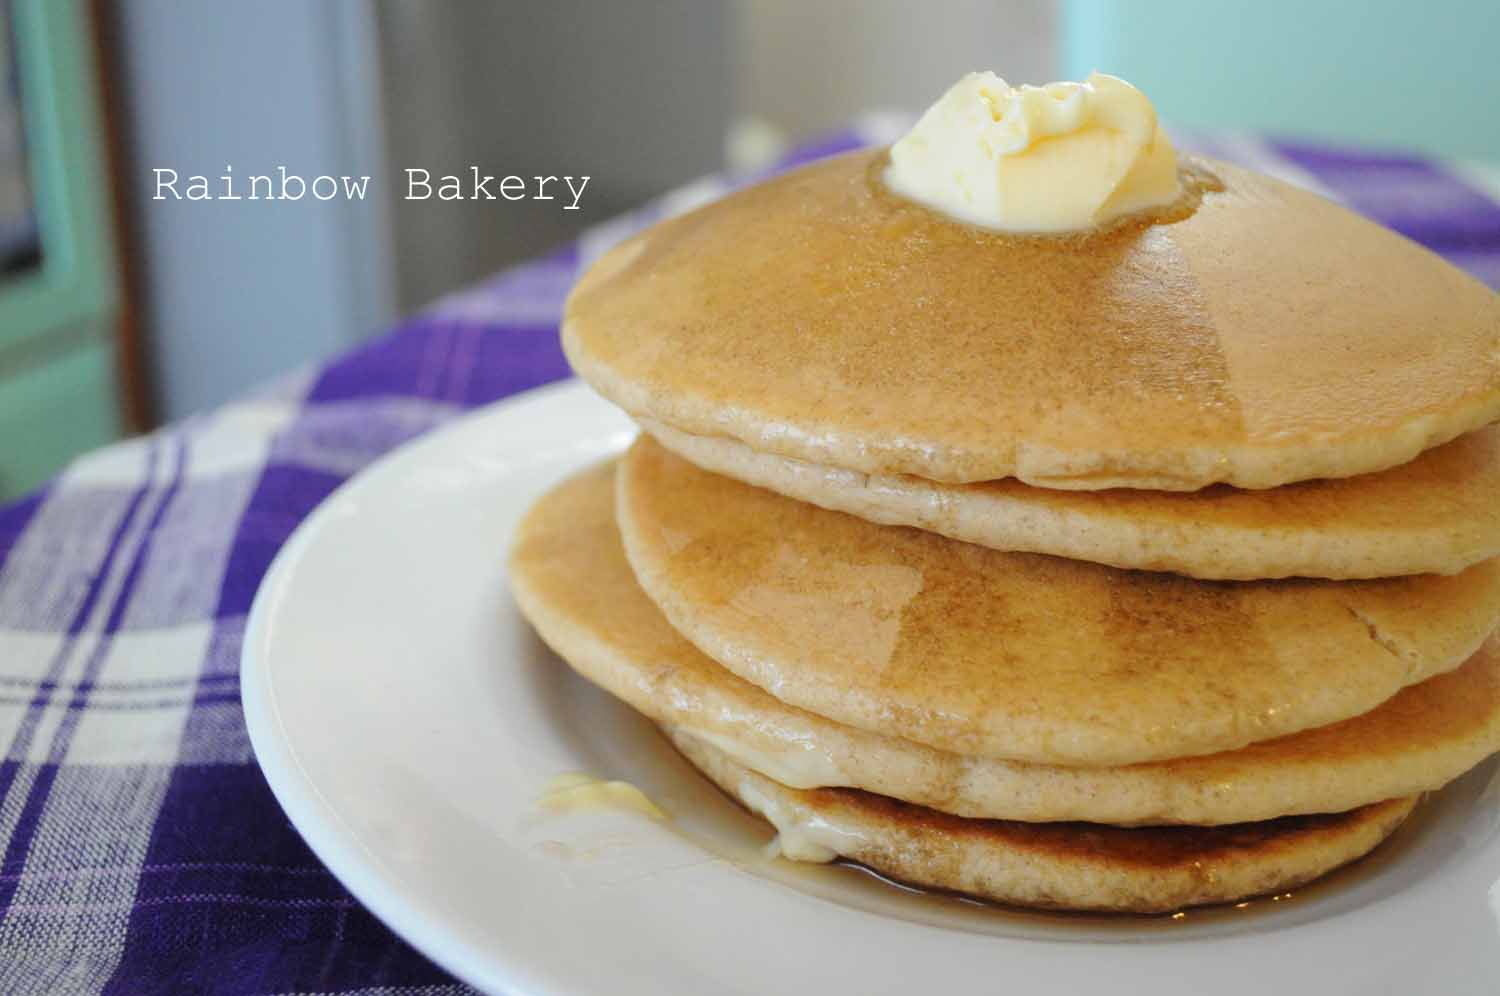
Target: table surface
x=142 y=849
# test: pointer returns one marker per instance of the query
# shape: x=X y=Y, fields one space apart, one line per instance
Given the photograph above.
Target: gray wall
x=805 y=66
x=236 y=292
x=634 y=94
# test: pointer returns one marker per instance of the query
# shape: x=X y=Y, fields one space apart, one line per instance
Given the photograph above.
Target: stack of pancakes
x=1130 y=570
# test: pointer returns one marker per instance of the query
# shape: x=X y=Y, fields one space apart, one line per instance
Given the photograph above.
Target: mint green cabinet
x=59 y=408
x=1379 y=72
x=58 y=391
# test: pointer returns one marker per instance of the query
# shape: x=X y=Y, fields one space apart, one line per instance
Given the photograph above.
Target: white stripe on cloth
x=66 y=933
x=92 y=816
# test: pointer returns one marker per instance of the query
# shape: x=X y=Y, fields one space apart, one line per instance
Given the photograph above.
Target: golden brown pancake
x=1071 y=866
x=571 y=579
x=1271 y=336
x=1020 y=656
x=1440 y=513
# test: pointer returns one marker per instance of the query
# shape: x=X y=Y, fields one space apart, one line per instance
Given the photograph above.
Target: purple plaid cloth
x=142 y=850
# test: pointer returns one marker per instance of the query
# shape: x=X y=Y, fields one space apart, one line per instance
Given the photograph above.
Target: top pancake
x=1270 y=336
x=1021 y=656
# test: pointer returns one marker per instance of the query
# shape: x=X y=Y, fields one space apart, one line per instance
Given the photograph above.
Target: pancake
x=1271 y=336
x=1021 y=656
x=1436 y=514
x=1070 y=866
x=571 y=579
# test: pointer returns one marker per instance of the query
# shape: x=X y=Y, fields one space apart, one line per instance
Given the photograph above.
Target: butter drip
x=576 y=791
x=1054 y=158
x=802 y=767
x=800 y=836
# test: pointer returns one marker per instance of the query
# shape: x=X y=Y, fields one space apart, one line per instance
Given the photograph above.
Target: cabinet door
x=59 y=300
x=62 y=406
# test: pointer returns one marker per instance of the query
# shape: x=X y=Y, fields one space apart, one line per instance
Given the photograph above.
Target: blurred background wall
x=806 y=67
x=234 y=292
x=634 y=95
x=206 y=300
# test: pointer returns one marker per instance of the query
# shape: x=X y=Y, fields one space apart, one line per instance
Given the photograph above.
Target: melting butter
x=576 y=790
x=1061 y=157
x=795 y=768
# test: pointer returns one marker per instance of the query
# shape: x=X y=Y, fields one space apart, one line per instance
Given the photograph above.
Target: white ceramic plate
x=408 y=719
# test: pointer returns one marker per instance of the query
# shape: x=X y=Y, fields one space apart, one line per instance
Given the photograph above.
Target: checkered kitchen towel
x=140 y=849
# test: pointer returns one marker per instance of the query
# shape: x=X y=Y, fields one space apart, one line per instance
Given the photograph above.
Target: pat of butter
x=1060 y=157
x=580 y=791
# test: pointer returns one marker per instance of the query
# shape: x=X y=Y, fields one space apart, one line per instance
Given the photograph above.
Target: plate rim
x=317 y=821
